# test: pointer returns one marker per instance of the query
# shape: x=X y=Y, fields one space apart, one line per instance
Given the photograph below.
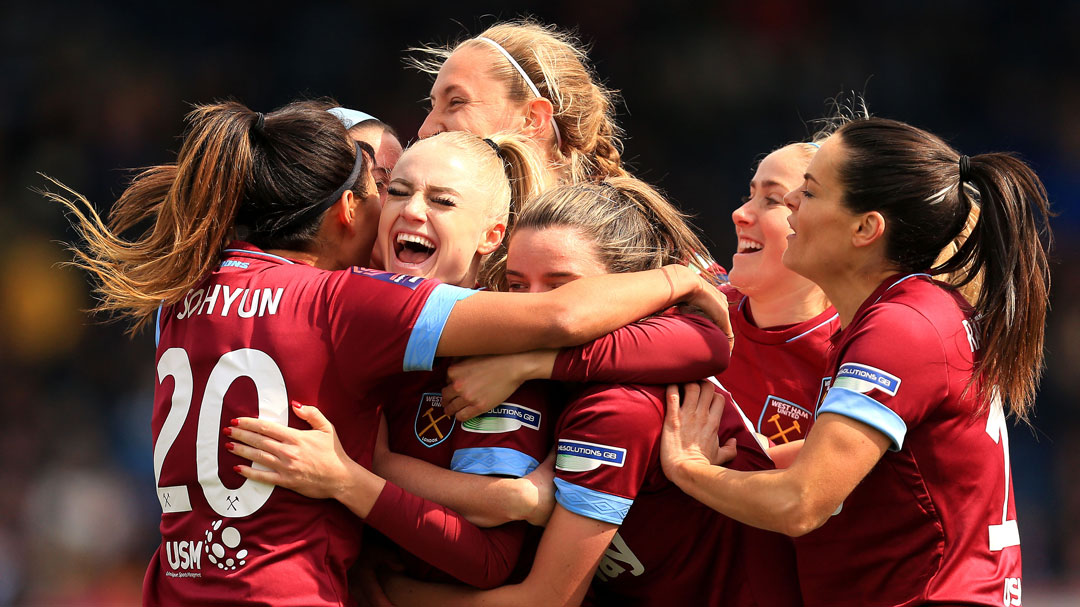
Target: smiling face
x=438 y=221
x=466 y=97
x=821 y=242
x=387 y=152
x=761 y=225
x=540 y=260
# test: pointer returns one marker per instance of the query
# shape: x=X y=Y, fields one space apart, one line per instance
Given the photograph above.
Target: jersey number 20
x=273 y=406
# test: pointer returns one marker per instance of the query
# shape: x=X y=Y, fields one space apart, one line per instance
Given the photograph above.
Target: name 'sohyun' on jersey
x=246 y=303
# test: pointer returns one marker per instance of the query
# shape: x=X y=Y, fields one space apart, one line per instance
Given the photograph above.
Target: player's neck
x=788 y=306
x=847 y=291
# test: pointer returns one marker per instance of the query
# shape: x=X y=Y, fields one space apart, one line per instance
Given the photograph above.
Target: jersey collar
x=239 y=248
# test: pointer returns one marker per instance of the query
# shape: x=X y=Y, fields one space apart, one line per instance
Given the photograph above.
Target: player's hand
x=541 y=491
x=478 y=384
x=690 y=437
x=310 y=462
x=713 y=303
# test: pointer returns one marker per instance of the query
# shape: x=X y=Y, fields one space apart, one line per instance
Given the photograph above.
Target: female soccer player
x=777 y=315
x=653 y=544
x=902 y=493
x=532 y=79
x=447 y=206
x=782 y=321
x=243 y=329
x=383 y=139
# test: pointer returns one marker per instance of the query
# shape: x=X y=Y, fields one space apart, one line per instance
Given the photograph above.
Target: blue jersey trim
x=862 y=408
x=260 y=254
x=591 y=503
x=805 y=333
x=157 y=327
x=493 y=460
x=424 y=339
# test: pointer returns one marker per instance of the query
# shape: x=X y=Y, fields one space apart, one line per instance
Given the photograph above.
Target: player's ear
x=344 y=210
x=869 y=229
x=491 y=238
x=539 y=115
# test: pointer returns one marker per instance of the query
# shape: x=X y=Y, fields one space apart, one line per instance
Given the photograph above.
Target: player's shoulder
x=632 y=405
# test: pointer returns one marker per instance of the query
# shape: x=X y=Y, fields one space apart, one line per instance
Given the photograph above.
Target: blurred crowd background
x=90 y=89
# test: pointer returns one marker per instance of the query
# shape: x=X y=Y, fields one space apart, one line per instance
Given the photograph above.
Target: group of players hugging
x=513 y=370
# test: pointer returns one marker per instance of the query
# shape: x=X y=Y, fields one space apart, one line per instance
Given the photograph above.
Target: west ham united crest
x=783 y=421
x=433 y=425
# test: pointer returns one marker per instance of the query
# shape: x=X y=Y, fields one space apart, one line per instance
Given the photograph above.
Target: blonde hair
x=969 y=290
x=512 y=174
x=558 y=65
x=634 y=227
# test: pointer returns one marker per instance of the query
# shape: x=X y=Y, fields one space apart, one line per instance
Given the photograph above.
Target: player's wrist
x=538 y=364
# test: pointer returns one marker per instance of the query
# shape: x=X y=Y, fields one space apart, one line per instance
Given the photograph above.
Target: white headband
x=528 y=81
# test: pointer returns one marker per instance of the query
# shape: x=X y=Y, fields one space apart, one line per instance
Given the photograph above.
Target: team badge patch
x=397 y=279
x=826 y=383
x=433 y=425
x=783 y=421
x=864 y=378
x=579 y=456
x=507 y=417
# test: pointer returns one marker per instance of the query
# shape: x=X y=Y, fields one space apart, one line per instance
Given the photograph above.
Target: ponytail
x=193 y=205
x=237 y=171
x=1007 y=249
x=930 y=196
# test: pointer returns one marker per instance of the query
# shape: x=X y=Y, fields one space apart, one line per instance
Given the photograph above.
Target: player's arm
x=657 y=350
x=835 y=457
x=569 y=552
x=313 y=463
x=485 y=501
x=497 y=323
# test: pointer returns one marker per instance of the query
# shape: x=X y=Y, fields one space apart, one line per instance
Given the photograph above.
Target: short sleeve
x=382 y=323
x=511 y=439
x=891 y=374
x=606 y=441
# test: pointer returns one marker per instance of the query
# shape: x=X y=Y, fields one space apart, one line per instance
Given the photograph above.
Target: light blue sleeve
x=424 y=339
x=157 y=327
x=591 y=503
x=493 y=460
x=861 y=407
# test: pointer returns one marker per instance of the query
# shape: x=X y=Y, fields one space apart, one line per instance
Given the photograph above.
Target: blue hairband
x=817 y=145
x=350 y=118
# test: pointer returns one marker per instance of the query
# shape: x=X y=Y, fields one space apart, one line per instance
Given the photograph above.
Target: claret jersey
x=257 y=333
x=775 y=373
x=510 y=440
x=670 y=549
x=934 y=521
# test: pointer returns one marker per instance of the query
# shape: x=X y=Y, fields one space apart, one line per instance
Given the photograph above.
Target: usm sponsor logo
x=864 y=378
x=183 y=556
x=580 y=456
x=507 y=417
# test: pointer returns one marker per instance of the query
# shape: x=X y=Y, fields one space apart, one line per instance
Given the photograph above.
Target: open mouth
x=413 y=248
x=749 y=246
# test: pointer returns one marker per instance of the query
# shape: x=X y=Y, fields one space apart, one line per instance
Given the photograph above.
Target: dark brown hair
x=913 y=179
x=238 y=173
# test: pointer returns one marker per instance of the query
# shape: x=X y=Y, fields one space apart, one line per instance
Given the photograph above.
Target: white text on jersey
x=248 y=302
